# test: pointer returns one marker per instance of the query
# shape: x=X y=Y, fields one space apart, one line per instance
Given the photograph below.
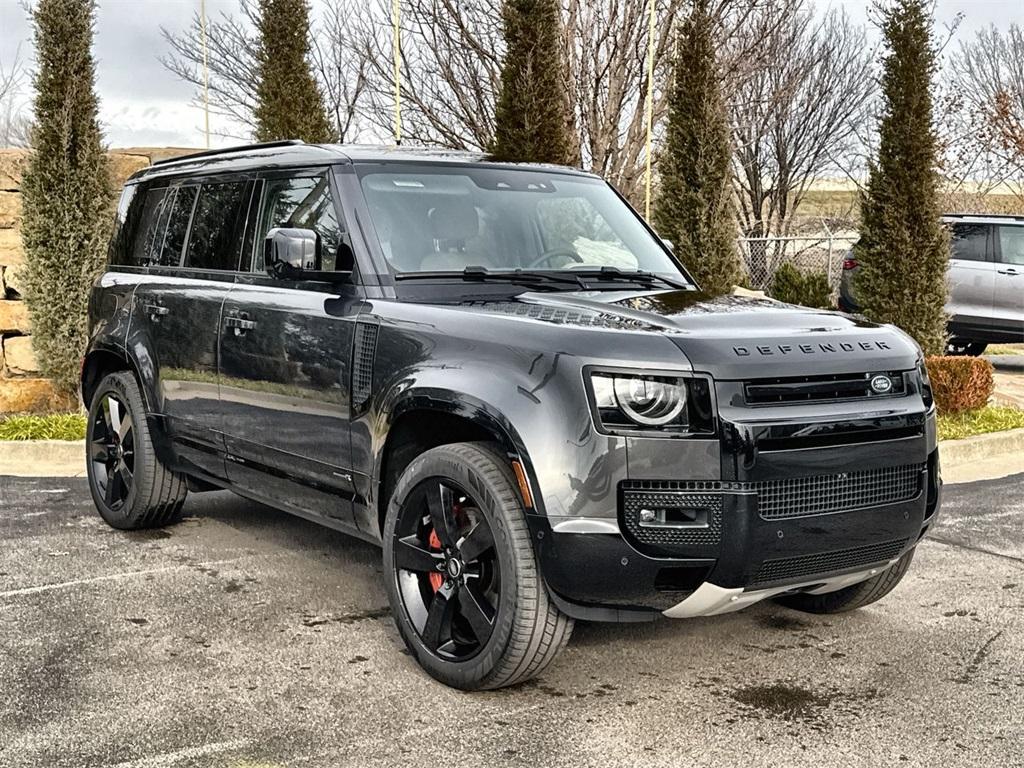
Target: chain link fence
x=821 y=253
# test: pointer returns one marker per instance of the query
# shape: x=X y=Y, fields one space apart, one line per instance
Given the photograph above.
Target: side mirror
x=669 y=244
x=288 y=252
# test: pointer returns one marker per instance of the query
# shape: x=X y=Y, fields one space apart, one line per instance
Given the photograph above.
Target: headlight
x=637 y=401
x=925 y=383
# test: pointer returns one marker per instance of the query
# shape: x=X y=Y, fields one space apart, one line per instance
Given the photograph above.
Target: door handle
x=155 y=312
x=1010 y=271
x=240 y=323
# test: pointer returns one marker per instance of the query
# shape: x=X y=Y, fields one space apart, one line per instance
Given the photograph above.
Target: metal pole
x=206 y=70
x=396 y=52
x=650 y=109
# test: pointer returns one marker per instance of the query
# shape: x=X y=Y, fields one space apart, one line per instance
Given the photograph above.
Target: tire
x=852 y=597
x=524 y=631
x=129 y=485
x=964 y=347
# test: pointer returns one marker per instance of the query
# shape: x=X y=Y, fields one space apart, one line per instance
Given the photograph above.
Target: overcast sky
x=142 y=104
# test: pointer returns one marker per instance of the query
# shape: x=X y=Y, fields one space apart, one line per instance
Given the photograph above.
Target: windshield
x=445 y=219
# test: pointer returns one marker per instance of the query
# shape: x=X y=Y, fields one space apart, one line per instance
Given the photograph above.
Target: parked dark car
x=986 y=282
x=502 y=375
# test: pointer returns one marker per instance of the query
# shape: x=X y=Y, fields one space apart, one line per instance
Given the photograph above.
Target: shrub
x=807 y=289
x=904 y=249
x=960 y=383
x=66 y=190
x=532 y=119
x=289 y=104
x=694 y=205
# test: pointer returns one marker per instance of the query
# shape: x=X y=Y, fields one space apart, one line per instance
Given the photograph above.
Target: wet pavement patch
x=783 y=700
x=781 y=621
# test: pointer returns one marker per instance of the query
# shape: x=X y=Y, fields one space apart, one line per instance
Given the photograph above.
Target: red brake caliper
x=436 y=579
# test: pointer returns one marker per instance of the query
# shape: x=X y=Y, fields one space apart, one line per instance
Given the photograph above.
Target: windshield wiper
x=482 y=274
x=632 y=275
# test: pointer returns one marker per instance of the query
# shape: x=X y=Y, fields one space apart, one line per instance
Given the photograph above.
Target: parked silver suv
x=986 y=282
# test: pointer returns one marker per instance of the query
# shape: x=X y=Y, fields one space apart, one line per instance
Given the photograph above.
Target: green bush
x=66 y=190
x=806 y=289
x=904 y=248
x=532 y=120
x=289 y=104
x=694 y=205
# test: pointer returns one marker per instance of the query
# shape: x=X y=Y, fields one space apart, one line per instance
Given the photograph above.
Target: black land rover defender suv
x=501 y=374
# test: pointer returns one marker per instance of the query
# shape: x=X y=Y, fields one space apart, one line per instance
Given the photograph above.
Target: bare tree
x=15 y=120
x=797 y=117
x=985 y=90
x=231 y=56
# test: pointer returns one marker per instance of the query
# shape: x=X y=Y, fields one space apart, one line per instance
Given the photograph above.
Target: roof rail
x=226 y=150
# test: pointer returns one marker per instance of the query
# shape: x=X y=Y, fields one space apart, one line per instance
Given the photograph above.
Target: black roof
x=283 y=154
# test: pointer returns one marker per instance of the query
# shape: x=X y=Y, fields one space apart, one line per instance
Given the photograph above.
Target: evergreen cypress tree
x=533 y=123
x=904 y=250
x=289 y=104
x=66 y=192
x=694 y=207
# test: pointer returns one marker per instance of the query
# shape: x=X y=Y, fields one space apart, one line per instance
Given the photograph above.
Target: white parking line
x=188 y=753
x=108 y=577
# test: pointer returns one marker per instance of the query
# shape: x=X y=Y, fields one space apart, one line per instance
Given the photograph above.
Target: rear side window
x=968 y=242
x=1011 y=245
x=146 y=229
x=215 y=238
x=304 y=202
x=177 y=226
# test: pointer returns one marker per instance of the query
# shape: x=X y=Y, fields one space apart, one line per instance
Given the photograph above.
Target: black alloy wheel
x=130 y=485
x=112 y=451
x=449 y=576
x=462 y=575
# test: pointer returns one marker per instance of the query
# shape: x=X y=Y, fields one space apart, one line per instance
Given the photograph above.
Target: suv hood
x=733 y=337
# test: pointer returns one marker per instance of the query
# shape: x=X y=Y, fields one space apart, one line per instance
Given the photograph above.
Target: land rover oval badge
x=881 y=385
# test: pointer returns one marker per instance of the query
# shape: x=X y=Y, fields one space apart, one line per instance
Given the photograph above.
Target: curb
x=42 y=458
x=1007 y=363
x=994 y=445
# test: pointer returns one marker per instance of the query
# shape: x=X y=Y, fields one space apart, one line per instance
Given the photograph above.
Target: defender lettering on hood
x=810 y=349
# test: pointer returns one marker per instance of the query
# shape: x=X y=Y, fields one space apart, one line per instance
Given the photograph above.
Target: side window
x=126 y=220
x=968 y=242
x=177 y=226
x=1011 y=245
x=304 y=202
x=146 y=245
x=215 y=237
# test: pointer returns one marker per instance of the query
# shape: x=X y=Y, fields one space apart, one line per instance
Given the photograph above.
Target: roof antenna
x=396 y=52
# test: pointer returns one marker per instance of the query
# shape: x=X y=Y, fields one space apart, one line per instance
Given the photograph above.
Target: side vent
x=364 y=350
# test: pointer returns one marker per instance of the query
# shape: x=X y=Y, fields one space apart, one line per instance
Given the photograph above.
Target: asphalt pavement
x=246 y=638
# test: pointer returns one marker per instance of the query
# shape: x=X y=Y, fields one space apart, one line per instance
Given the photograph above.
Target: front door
x=286 y=349
x=1009 y=295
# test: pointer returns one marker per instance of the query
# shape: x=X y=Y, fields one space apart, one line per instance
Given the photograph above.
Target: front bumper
x=754 y=536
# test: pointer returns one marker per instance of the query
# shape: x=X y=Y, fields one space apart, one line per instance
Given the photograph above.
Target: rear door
x=971 y=276
x=192 y=261
x=286 y=350
x=1009 y=289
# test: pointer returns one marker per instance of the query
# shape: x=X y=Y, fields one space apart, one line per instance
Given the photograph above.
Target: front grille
x=704 y=499
x=814 y=389
x=842 y=492
x=804 y=566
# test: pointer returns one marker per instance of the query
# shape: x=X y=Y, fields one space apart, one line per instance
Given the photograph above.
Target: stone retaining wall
x=21 y=387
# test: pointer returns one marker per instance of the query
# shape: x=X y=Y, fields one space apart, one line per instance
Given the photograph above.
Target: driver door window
x=303 y=202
